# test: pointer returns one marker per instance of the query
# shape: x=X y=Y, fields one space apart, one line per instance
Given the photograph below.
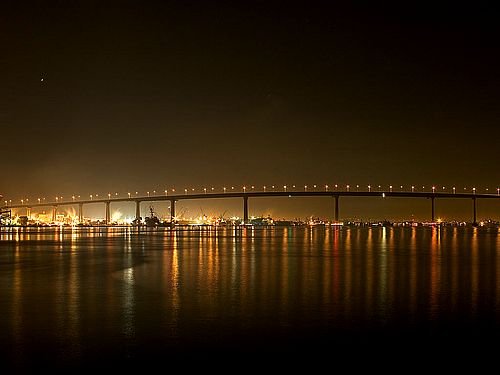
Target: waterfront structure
x=245 y=195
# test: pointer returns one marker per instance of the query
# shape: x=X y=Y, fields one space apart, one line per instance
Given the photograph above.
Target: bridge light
x=369 y=188
x=272 y=186
x=433 y=189
x=401 y=187
x=454 y=189
x=147 y=192
x=498 y=191
x=347 y=187
x=293 y=186
x=305 y=187
x=224 y=189
x=284 y=187
x=128 y=195
x=244 y=189
x=186 y=191
x=38 y=200
x=173 y=190
x=357 y=186
x=474 y=190
x=90 y=197
x=212 y=189
x=336 y=186
x=232 y=187
x=314 y=186
x=326 y=187
x=390 y=188
x=264 y=188
x=22 y=201
x=109 y=196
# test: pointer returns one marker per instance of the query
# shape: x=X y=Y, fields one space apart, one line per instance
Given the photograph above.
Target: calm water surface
x=103 y=295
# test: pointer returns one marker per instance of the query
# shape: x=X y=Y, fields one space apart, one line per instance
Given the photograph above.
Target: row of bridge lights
x=59 y=199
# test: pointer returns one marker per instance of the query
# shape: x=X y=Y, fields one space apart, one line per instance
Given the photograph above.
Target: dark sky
x=141 y=95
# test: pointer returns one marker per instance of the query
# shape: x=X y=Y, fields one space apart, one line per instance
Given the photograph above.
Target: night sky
x=100 y=96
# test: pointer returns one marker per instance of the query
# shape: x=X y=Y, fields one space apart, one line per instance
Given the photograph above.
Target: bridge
x=246 y=195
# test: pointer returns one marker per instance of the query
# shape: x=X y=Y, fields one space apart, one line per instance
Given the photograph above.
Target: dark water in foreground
x=111 y=296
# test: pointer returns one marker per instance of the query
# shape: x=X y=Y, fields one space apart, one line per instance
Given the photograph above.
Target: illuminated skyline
x=325 y=204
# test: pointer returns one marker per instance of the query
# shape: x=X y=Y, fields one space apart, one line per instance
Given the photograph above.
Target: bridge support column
x=336 y=209
x=138 y=212
x=28 y=213
x=80 y=213
x=432 y=209
x=474 y=222
x=108 y=213
x=172 y=211
x=54 y=213
x=245 y=210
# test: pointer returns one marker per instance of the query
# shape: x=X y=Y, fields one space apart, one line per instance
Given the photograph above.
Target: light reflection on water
x=79 y=291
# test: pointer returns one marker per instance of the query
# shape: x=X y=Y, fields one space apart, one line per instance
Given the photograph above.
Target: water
x=85 y=296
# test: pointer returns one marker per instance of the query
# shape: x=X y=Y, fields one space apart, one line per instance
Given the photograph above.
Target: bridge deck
x=270 y=194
